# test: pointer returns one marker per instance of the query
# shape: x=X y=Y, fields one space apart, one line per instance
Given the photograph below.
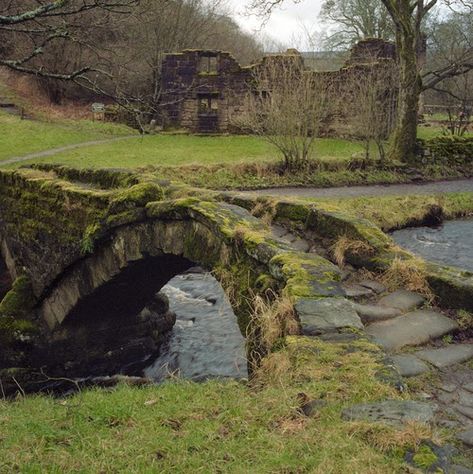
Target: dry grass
x=387 y=438
x=274 y=370
x=409 y=274
x=266 y=210
x=345 y=245
x=271 y=320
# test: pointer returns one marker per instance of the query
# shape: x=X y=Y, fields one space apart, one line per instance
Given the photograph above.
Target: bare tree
x=40 y=24
x=355 y=20
x=287 y=107
x=370 y=103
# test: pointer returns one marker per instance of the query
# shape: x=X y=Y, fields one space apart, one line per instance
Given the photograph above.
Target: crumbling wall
x=203 y=90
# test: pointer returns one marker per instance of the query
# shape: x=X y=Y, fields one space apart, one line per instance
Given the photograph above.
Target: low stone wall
x=446 y=151
x=452 y=286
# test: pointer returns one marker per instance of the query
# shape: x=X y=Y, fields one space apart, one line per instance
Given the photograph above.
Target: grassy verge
x=396 y=212
x=177 y=150
x=20 y=137
x=216 y=426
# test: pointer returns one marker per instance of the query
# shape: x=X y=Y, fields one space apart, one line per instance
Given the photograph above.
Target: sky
x=287 y=23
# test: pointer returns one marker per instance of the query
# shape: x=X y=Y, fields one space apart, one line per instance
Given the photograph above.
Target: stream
x=206 y=341
x=449 y=244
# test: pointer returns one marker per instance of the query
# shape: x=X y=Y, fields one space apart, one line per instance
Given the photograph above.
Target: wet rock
x=413 y=329
x=391 y=412
x=447 y=356
x=409 y=365
x=326 y=315
x=403 y=300
x=373 y=313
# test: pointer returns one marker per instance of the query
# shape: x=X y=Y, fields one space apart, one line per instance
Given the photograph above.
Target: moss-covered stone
x=19 y=301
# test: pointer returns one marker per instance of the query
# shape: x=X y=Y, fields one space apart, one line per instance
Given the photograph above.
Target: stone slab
x=465 y=398
x=465 y=411
x=456 y=469
x=403 y=300
x=391 y=412
x=300 y=245
x=466 y=437
x=469 y=387
x=409 y=365
x=318 y=316
x=372 y=313
x=447 y=356
x=373 y=285
x=413 y=329
x=356 y=291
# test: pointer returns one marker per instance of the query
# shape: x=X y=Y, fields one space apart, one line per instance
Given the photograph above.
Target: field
x=20 y=137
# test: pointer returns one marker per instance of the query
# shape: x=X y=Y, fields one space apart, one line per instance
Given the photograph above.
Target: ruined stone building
x=202 y=91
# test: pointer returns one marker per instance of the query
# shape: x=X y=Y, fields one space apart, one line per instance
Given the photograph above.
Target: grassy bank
x=216 y=426
x=20 y=137
x=396 y=212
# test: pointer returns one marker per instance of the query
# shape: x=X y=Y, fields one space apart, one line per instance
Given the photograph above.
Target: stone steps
x=413 y=329
x=424 y=360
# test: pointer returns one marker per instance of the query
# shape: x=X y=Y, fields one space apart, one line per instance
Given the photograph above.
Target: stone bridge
x=85 y=252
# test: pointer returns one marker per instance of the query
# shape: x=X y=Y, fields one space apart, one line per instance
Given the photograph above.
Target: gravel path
x=460 y=185
x=55 y=151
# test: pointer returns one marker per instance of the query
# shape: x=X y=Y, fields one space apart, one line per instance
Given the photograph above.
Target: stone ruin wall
x=202 y=90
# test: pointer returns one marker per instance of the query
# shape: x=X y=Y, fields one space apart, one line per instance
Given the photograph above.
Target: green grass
x=214 y=427
x=20 y=137
x=395 y=212
x=434 y=131
x=176 y=150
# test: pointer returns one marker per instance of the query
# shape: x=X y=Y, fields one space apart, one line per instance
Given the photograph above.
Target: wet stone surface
x=450 y=244
x=206 y=341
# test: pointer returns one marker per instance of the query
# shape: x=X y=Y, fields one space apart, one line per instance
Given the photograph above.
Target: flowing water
x=206 y=341
x=450 y=244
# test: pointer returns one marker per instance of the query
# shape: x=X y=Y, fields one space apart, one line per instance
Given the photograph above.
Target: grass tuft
x=409 y=274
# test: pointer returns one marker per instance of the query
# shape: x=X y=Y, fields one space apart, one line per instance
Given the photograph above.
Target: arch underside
x=106 y=303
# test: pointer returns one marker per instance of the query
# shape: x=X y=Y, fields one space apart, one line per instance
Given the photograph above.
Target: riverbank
x=217 y=426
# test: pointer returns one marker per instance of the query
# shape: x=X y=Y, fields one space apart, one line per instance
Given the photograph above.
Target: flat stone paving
x=447 y=356
x=402 y=300
x=412 y=329
x=392 y=412
x=326 y=315
x=409 y=365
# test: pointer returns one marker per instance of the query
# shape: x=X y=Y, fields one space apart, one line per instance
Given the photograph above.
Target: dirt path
x=55 y=151
x=461 y=185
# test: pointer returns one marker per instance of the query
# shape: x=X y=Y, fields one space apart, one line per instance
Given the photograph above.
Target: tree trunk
x=405 y=133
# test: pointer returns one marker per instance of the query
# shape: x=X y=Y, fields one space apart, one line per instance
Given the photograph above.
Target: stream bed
x=206 y=341
x=450 y=244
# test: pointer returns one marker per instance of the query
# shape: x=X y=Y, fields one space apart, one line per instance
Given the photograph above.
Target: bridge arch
x=141 y=239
